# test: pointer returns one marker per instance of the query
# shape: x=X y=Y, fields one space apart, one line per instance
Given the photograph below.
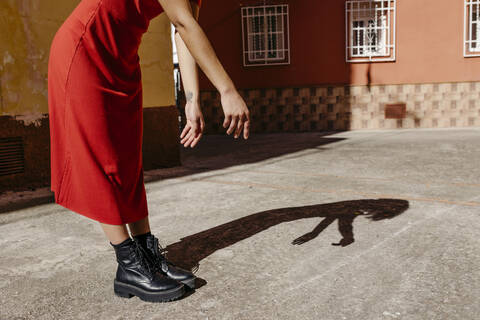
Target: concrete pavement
x=354 y=225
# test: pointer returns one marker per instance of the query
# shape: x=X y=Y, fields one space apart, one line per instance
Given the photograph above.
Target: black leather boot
x=136 y=276
x=157 y=255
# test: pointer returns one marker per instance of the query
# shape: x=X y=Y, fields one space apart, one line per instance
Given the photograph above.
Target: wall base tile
x=343 y=107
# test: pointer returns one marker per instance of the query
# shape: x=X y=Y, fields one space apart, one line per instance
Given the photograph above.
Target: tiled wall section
x=352 y=107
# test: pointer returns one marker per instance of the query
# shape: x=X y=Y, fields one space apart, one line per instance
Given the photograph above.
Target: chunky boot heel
x=120 y=292
x=158 y=257
x=137 y=276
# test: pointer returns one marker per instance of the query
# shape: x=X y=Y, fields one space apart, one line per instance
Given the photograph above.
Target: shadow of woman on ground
x=189 y=251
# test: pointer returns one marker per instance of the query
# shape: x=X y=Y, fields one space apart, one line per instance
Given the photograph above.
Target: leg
x=115 y=233
x=139 y=227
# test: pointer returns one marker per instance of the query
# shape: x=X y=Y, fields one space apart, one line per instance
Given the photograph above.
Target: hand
x=193 y=130
x=237 y=116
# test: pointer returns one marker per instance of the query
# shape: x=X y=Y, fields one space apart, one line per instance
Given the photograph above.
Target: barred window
x=370 y=30
x=265 y=35
x=472 y=28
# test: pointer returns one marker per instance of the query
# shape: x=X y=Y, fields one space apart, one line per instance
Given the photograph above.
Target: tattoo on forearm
x=189 y=96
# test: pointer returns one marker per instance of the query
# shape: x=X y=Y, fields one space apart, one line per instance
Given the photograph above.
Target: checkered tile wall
x=327 y=108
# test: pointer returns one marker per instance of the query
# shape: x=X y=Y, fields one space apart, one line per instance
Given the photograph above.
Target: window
x=265 y=35
x=370 y=30
x=471 y=46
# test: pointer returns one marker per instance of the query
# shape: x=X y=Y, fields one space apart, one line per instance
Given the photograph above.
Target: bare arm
x=179 y=13
x=188 y=66
x=193 y=130
x=237 y=117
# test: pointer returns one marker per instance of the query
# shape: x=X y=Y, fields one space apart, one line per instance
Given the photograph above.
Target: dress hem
x=104 y=221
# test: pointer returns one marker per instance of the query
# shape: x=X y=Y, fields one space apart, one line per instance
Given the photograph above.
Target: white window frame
x=471 y=32
x=374 y=23
x=270 y=45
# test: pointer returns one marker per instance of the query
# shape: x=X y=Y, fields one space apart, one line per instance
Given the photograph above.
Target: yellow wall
x=27 y=28
x=157 y=64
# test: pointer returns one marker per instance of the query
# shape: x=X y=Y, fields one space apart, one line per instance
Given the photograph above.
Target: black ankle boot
x=136 y=276
x=156 y=253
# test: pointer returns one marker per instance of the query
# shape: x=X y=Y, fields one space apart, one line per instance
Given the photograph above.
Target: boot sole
x=125 y=290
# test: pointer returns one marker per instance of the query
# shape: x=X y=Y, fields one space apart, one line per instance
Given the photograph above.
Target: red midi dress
x=95 y=110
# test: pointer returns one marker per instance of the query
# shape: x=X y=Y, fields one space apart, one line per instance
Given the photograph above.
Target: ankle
x=121 y=243
x=142 y=238
x=142 y=235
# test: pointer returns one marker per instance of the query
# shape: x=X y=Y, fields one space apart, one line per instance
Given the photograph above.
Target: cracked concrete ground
x=354 y=225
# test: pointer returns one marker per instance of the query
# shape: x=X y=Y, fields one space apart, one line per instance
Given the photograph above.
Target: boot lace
x=160 y=255
x=147 y=267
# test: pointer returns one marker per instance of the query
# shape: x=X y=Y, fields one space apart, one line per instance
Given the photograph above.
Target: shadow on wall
x=192 y=249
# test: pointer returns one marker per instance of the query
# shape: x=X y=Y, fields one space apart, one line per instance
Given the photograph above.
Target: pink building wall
x=428 y=47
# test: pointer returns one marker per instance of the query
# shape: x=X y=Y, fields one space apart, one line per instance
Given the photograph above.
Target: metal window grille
x=471 y=33
x=265 y=35
x=370 y=30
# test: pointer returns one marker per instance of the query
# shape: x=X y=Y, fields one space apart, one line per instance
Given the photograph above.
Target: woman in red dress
x=95 y=107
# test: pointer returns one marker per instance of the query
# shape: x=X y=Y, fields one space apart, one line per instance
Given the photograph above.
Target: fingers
x=198 y=127
x=233 y=124
x=239 y=128
x=226 y=122
x=237 y=115
x=194 y=133
x=239 y=123
x=189 y=141
x=195 y=140
x=190 y=132
x=184 y=140
x=185 y=133
x=192 y=142
x=185 y=130
x=202 y=123
x=188 y=138
x=246 y=126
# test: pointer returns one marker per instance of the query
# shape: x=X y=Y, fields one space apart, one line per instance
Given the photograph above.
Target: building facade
x=345 y=65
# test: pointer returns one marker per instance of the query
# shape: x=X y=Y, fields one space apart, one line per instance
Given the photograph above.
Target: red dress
x=95 y=109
